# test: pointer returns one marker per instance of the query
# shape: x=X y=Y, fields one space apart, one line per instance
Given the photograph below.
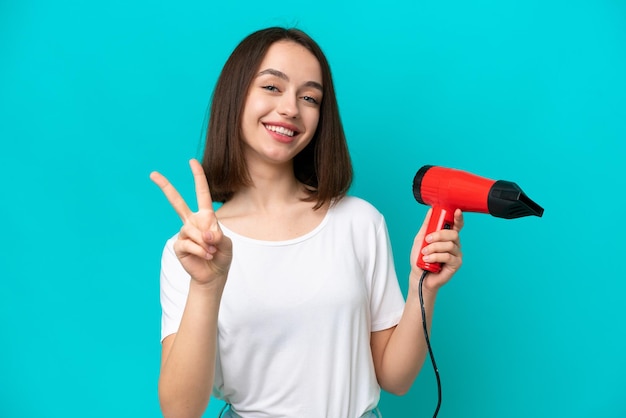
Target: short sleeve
x=174 y=290
x=386 y=300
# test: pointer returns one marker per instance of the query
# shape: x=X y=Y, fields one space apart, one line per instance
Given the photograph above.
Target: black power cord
x=430 y=350
x=221 y=414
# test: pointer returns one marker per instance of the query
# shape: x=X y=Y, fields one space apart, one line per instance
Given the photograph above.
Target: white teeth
x=280 y=130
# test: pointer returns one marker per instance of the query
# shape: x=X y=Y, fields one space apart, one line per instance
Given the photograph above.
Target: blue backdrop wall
x=95 y=95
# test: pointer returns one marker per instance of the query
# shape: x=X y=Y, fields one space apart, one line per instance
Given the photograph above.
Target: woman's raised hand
x=203 y=250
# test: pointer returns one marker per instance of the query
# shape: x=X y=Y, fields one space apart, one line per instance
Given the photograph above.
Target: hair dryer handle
x=440 y=218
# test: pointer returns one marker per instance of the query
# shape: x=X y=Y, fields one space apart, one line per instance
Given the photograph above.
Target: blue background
x=95 y=95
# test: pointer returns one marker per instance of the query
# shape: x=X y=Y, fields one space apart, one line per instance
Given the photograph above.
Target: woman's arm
x=188 y=356
x=399 y=352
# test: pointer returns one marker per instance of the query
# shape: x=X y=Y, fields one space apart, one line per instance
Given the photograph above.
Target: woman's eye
x=270 y=88
x=310 y=99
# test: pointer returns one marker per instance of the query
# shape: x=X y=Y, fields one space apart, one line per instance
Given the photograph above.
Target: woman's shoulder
x=356 y=208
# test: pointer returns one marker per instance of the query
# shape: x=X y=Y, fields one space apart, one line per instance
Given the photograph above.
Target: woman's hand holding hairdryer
x=444 y=246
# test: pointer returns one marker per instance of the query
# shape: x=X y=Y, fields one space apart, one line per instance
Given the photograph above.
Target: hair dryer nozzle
x=507 y=200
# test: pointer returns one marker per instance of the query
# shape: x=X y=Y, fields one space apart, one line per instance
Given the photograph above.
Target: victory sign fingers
x=201 y=247
x=203 y=194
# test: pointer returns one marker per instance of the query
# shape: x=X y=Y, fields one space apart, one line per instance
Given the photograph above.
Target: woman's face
x=282 y=105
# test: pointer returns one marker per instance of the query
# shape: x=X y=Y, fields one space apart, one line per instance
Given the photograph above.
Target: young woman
x=285 y=302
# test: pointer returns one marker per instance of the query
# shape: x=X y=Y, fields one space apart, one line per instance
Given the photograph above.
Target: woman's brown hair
x=324 y=165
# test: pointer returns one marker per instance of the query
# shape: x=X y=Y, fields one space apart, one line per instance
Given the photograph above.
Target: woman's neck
x=269 y=194
x=273 y=186
x=272 y=209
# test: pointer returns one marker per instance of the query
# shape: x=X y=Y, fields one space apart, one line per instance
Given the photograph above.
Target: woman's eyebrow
x=280 y=74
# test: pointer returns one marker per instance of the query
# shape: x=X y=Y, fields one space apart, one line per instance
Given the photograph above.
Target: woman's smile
x=281 y=132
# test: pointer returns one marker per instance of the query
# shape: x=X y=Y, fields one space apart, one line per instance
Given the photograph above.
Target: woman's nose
x=288 y=106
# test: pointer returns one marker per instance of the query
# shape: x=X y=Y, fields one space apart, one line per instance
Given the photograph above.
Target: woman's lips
x=281 y=132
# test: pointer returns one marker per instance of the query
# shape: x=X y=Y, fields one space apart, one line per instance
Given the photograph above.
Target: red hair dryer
x=446 y=189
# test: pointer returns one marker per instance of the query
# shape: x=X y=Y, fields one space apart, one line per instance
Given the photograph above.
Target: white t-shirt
x=296 y=316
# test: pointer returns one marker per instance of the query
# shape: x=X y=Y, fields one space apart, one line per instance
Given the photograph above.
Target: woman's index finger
x=203 y=193
x=172 y=195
